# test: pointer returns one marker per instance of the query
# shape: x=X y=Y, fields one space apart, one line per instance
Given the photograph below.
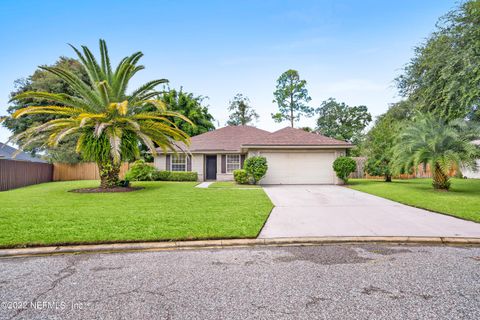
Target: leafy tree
x=380 y=140
x=291 y=96
x=343 y=167
x=42 y=80
x=443 y=145
x=379 y=147
x=109 y=123
x=190 y=106
x=340 y=121
x=307 y=129
x=242 y=112
x=443 y=76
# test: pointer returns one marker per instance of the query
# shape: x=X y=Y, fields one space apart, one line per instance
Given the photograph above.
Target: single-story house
x=10 y=153
x=294 y=156
x=469 y=173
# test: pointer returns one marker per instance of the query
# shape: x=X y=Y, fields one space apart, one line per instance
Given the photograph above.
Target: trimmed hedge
x=141 y=171
x=176 y=176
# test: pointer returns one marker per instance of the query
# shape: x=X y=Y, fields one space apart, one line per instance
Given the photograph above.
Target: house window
x=179 y=162
x=233 y=162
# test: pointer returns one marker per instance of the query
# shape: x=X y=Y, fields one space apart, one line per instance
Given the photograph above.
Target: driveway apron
x=327 y=210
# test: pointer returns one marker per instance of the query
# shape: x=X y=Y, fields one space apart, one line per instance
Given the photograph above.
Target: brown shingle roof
x=232 y=138
x=229 y=138
x=295 y=137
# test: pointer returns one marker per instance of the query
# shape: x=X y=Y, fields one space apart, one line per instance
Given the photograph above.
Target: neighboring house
x=7 y=152
x=469 y=173
x=294 y=156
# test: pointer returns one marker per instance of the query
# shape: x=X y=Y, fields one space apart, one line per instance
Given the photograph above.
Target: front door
x=211 y=167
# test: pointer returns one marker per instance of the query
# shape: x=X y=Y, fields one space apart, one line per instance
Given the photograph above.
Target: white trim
x=178 y=155
x=233 y=163
x=296 y=147
x=210 y=152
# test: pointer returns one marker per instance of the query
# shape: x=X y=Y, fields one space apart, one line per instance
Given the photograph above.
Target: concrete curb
x=230 y=243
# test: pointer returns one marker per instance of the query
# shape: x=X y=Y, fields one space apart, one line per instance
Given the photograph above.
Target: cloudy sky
x=347 y=49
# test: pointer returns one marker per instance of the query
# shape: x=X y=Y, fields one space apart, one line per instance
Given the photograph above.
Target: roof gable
x=7 y=152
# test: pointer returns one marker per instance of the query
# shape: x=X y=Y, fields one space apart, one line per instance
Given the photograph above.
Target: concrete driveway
x=321 y=210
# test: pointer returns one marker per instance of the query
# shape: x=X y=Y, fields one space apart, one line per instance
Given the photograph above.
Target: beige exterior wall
x=198 y=165
x=160 y=162
x=198 y=161
x=469 y=173
x=334 y=152
x=222 y=176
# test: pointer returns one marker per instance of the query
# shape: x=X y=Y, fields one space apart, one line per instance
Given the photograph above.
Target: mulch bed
x=106 y=190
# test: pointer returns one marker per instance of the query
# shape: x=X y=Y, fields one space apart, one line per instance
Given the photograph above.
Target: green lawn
x=48 y=214
x=463 y=199
x=231 y=184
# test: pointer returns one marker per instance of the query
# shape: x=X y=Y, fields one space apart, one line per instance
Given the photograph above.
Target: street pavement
x=313 y=282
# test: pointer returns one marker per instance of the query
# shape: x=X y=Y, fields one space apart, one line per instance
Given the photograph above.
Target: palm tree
x=445 y=146
x=109 y=125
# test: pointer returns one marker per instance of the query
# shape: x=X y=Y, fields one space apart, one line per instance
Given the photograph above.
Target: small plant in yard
x=444 y=145
x=256 y=167
x=141 y=171
x=343 y=167
x=240 y=176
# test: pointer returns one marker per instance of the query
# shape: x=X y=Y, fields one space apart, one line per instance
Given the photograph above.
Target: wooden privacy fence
x=420 y=172
x=16 y=174
x=359 y=172
x=81 y=171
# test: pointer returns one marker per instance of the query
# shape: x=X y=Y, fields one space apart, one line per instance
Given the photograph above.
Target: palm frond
x=80 y=87
x=146 y=88
x=106 y=66
x=57 y=110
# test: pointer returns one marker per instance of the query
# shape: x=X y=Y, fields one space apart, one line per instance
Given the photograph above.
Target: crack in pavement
x=372 y=290
x=270 y=310
x=314 y=300
x=115 y=295
x=136 y=290
x=61 y=275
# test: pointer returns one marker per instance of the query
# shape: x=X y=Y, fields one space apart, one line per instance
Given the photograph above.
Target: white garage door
x=299 y=168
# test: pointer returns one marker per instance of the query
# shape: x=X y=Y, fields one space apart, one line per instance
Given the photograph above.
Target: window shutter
x=224 y=163
x=242 y=160
x=167 y=164
x=189 y=163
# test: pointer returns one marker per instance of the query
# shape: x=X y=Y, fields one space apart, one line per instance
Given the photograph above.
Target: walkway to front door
x=316 y=210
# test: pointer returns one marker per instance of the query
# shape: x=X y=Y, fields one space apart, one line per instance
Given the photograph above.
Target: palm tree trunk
x=109 y=174
x=440 y=179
